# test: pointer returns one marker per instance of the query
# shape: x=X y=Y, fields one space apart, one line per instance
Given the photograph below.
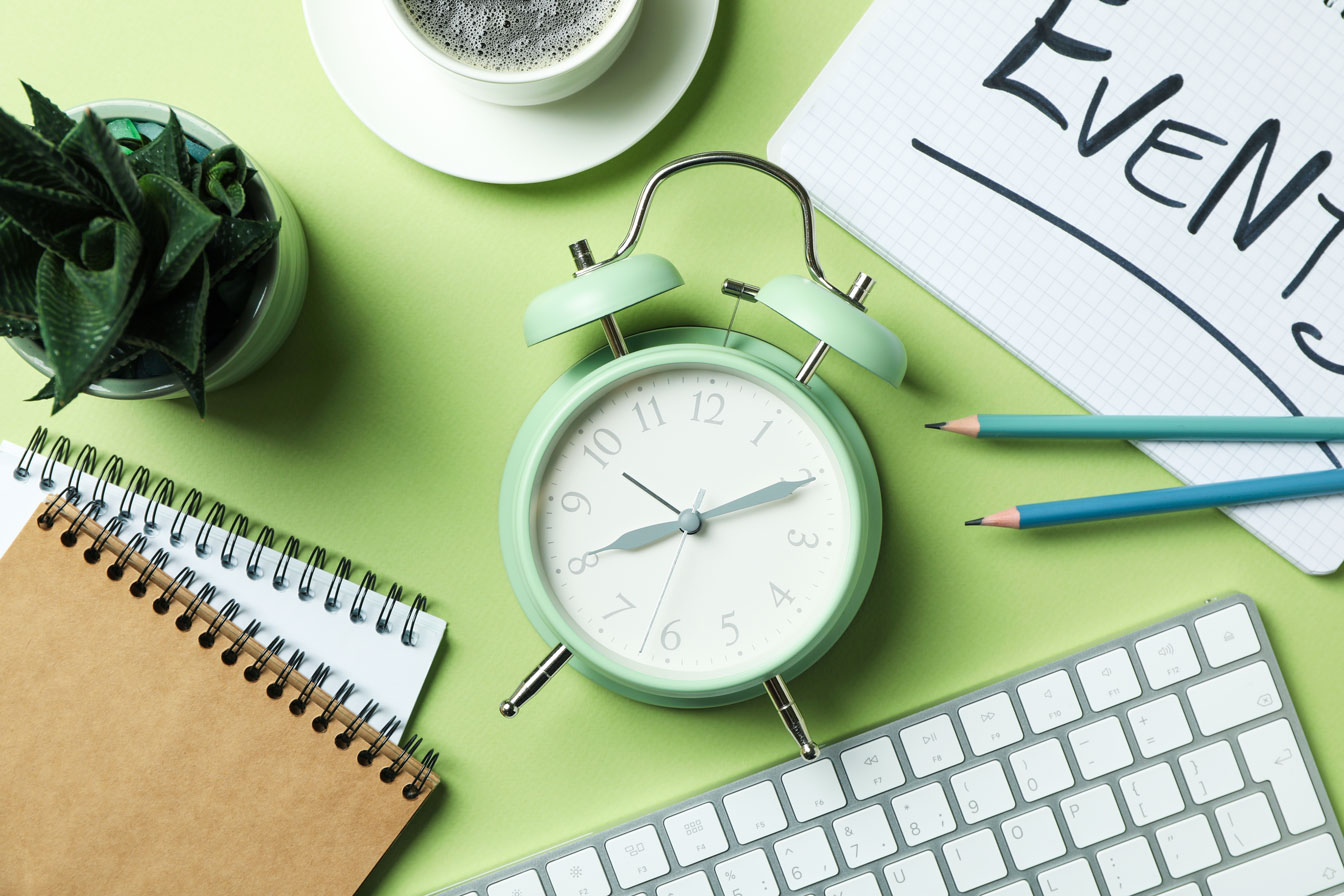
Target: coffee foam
x=510 y=35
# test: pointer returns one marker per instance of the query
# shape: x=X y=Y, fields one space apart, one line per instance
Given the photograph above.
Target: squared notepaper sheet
x=1096 y=282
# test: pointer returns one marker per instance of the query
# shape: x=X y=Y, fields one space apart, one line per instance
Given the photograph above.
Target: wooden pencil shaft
x=1166 y=428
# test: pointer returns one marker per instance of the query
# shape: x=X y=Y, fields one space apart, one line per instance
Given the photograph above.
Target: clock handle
x=535 y=681
x=793 y=719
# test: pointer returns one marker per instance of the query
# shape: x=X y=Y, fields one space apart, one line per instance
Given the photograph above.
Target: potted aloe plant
x=142 y=255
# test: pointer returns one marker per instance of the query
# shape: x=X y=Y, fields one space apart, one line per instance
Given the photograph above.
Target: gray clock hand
x=651 y=493
x=761 y=496
x=668 y=581
x=645 y=535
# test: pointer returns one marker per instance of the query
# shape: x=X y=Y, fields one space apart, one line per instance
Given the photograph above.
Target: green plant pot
x=281 y=278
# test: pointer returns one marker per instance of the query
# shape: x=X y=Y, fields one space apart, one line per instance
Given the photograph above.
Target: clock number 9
x=607 y=442
x=670 y=640
x=585 y=561
x=572 y=501
x=802 y=540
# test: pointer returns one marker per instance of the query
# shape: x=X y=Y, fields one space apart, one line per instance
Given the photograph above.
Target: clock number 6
x=607 y=442
x=803 y=540
x=671 y=640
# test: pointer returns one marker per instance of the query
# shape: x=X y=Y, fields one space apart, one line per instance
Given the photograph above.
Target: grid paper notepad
x=1137 y=256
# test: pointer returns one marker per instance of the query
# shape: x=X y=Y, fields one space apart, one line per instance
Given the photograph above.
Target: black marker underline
x=1130 y=267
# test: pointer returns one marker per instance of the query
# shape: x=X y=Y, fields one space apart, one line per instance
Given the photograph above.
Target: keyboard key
x=696 y=834
x=813 y=790
x=1211 y=772
x=1227 y=636
x=1187 y=890
x=696 y=884
x=579 y=874
x=805 y=859
x=915 y=876
x=974 y=860
x=1049 y=701
x=1272 y=755
x=754 y=812
x=749 y=875
x=1092 y=816
x=923 y=814
x=636 y=857
x=1233 y=698
x=1311 y=866
x=1129 y=867
x=865 y=836
x=526 y=884
x=1100 y=748
x=1033 y=838
x=1247 y=824
x=1108 y=680
x=1159 y=726
x=1152 y=794
x=990 y=723
x=1072 y=879
x=982 y=792
x=872 y=768
x=931 y=746
x=1167 y=657
x=1021 y=888
x=1188 y=846
x=1041 y=770
x=863 y=885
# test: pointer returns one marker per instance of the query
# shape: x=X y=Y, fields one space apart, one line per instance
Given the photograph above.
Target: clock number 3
x=803 y=539
x=607 y=442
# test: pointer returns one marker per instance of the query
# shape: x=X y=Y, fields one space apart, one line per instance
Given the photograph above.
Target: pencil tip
x=975 y=522
x=935 y=425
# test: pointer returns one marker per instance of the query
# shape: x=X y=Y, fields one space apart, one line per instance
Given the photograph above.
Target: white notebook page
x=381 y=667
x=1100 y=285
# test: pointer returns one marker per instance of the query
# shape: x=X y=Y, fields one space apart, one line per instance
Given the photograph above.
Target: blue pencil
x=1166 y=500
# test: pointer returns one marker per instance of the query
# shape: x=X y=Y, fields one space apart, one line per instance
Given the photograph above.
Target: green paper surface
x=382 y=428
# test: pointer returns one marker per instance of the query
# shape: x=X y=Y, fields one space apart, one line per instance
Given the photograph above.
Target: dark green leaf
x=112 y=366
x=193 y=381
x=189 y=225
x=18 y=272
x=50 y=217
x=223 y=185
x=166 y=154
x=27 y=158
x=92 y=144
x=17 y=329
x=239 y=244
x=176 y=326
x=48 y=119
x=83 y=313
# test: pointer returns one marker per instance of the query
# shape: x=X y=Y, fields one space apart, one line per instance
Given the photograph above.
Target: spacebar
x=1298 y=870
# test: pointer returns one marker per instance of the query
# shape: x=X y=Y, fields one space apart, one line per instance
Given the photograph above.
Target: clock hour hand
x=765 y=495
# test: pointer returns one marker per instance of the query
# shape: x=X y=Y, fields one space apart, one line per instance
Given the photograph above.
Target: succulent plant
x=120 y=254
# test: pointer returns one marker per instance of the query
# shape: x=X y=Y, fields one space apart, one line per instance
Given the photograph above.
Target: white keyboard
x=1169 y=761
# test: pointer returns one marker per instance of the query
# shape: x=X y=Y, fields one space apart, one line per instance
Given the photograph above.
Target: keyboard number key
x=1033 y=838
x=1108 y=680
x=636 y=856
x=813 y=790
x=755 y=812
x=805 y=859
x=872 y=768
x=1041 y=770
x=696 y=884
x=1049 y=701
x=990 y=723
x=931 y=746
x=579 y=874
x=747 y=875
x=1211 y=772
x=865 y=836
x=1100 y=748
x=915 y=876
x=982 y=792
x=696 y=834
x=526 y=884
x=1167 y=657
x=1227 y=636
x=923 y=814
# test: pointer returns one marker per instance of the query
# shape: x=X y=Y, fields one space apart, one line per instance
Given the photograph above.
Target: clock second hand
x=668 y=581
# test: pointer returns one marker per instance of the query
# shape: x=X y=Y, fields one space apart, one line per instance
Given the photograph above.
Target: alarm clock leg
x=535 y=681
x=793 y=719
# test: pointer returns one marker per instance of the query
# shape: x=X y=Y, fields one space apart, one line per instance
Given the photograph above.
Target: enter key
x=1272 y=755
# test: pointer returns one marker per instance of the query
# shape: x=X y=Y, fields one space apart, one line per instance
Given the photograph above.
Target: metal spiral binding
x=38 y=440
x=384 y=624
x=60 y=453
x=333 y=601
x=279 y=582
x=316 y=560
x=139 y=482
x=237 y=529
x=264 y=542
x=191 y=505
x=408 y=630
x=111 y=475
x=213 y=519
x=64 y=506
x=162 y=494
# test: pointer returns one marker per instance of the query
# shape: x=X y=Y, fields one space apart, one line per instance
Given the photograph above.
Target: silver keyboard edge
x=891 y=728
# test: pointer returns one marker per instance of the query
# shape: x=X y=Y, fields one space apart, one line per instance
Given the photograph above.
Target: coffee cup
x=518 y=85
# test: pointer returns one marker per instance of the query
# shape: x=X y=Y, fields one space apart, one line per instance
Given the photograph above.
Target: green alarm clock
x=689 y=513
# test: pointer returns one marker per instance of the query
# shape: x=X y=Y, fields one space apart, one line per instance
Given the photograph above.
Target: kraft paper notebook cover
x=138 y=761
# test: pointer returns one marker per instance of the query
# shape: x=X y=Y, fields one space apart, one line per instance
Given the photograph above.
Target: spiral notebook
x=375 y=640
x=1143 y=201
x=153 y=746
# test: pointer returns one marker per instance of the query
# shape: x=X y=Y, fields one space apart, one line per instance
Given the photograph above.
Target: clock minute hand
x=761 y=496
x=645 y=535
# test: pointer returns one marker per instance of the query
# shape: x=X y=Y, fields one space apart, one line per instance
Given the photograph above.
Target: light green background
x=382 y=429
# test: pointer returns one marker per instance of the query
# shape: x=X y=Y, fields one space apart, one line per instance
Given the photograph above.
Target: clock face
x=693 y=522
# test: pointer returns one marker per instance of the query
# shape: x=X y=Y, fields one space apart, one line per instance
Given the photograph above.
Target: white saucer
x=411 y=102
